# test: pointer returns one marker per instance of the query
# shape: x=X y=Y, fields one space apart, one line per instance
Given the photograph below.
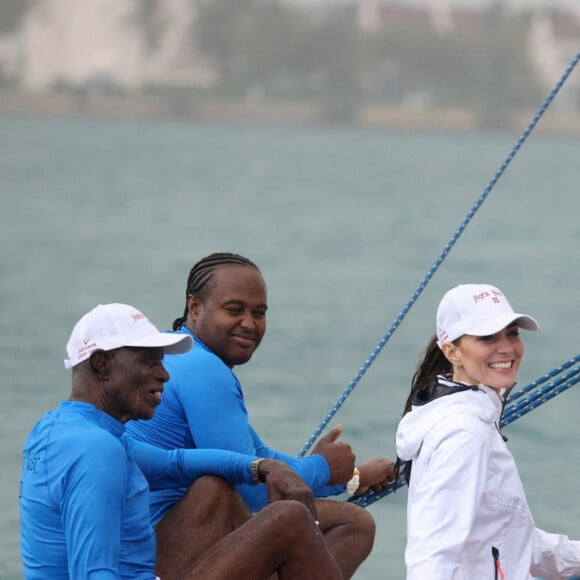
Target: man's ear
x=99 y=362
x=193 y=305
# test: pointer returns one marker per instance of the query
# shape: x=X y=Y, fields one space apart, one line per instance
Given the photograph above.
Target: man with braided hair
x=203 y=407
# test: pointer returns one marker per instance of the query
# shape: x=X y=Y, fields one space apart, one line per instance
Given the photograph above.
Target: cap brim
x=501 y=321
x=170 y=342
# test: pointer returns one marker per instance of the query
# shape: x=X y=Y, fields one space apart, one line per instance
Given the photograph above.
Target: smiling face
x=231 y=321
x=492 y=360
x=135 y=383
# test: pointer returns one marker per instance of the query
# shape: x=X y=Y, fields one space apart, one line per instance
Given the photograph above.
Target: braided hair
x=201 y=275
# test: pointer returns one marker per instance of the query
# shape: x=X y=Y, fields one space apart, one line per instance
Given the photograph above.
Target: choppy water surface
x=344 y=224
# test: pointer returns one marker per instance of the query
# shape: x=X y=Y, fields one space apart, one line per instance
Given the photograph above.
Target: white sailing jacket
x=467 y=514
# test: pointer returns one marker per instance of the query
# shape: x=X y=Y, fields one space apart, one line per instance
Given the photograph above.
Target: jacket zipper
x=499 y=575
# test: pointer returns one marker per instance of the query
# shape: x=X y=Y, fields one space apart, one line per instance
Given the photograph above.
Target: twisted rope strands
x=554 y=372
x=516 y=409
x=435 y=266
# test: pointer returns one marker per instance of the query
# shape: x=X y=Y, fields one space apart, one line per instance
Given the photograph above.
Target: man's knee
x=289 y=518
x=210 y=490
x=208 y=498
x=288 y=509
x=211 y=485
x=364 y=521
x=208 y=511
x=344 y=518
x=361 y=523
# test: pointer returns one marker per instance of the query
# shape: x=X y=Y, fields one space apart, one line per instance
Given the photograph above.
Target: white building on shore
x=112 y=45
x=103 y=44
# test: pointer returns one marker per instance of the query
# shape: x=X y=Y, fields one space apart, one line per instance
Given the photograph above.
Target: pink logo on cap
x=87 y=347
x=494 y=294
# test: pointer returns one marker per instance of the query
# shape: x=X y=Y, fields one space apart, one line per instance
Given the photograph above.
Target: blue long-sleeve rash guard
x=84 y=499
x=203 y=406
x=84 y=503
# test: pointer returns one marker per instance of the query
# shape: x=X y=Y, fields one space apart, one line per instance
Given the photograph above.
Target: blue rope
x=515 y=408
x=434 y=267
x=543 y=394
x=554 y=372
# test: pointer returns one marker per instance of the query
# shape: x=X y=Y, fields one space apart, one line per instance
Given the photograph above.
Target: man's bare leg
x=208 y=511
x=282 y=538
x=349 y=531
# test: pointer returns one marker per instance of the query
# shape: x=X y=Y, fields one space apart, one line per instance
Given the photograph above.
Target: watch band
x=354 y=481
x=254 y=470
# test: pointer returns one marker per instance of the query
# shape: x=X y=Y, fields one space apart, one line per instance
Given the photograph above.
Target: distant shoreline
x=153 y=107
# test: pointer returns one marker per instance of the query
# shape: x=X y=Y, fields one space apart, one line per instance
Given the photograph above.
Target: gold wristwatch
x=254 y=470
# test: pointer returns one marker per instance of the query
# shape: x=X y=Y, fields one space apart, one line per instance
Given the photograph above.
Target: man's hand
x=283 y=483
x=376 y=474
x=339 y=456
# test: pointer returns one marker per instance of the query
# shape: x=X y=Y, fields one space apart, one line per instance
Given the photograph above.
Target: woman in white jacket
x=467 y=514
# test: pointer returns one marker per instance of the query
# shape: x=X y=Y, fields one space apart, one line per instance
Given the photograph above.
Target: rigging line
x=524 y=390
x=544 y=394
x=434 y=267
x=534 y=389
x=516 y=408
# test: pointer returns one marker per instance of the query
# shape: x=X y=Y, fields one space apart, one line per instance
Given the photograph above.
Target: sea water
x=345 y=223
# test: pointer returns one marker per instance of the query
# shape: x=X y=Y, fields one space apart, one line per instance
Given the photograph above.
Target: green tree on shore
x=281 y=52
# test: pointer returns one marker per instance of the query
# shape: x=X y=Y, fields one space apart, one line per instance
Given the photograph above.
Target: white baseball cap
x=110 y=326
x=478 y=310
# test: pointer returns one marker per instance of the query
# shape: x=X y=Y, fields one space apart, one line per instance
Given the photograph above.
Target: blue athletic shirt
x=203 y=406
x=84 y=497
